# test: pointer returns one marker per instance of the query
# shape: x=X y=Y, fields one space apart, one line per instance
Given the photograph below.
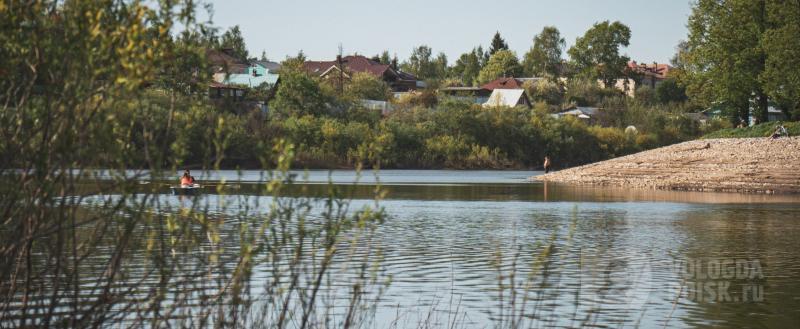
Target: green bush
x=761 y=130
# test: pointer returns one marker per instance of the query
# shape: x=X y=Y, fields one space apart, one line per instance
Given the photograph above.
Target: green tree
x=468 y=66
x=669 y=91
x=382 y=58
x=725 y=56
x=440 y=65
x=596 y=55
x=367 y=86
x=422 y=64
x=298 y=94
x=544 y=58
x=545 y=90
x=503 y=63
x=781 y=74
x=385 y=58
x=498 y=43
x=233 y=39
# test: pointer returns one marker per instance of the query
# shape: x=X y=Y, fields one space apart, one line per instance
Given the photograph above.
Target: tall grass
x=80 y=248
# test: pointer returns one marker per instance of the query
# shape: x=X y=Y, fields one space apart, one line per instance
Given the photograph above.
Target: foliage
x=81 y=247
x=498 y=44
x=669 y=91
x=367 y=86
x=741 y=53
x=781 y=76
x=544 y=57
x=760 y=130
x=588 y=93
x=422 y=64
x=645 y=94
x=503 y=63
x=468 y=66
x=457 y=134
x=596 y=55
x=298 y=94
x=545 y=90
x=232 y=39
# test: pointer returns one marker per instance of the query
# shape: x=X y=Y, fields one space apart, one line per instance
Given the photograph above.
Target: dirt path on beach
x=753 y=165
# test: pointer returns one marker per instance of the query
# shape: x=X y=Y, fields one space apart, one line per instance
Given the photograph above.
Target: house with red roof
x=482 y=94
x=649 y=74
x=344 y=67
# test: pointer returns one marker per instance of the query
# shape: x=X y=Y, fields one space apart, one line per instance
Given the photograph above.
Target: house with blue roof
x=255 y=74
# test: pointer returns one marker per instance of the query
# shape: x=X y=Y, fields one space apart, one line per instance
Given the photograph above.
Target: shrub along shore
x=448 y=134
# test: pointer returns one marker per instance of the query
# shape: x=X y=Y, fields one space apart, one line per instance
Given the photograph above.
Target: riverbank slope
x=753 y=165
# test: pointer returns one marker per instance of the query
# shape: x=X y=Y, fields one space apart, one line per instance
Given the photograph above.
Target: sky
x=282 y=28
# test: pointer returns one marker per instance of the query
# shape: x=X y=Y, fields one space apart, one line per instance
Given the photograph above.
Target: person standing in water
x=187 y=179
x=546 y=164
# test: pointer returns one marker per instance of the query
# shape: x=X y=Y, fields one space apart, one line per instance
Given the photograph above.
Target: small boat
x=194 y=189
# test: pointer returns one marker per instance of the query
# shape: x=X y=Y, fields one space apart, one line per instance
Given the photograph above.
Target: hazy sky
x=283 y=27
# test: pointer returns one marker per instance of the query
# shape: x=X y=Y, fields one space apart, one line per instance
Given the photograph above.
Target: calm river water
x=616 y=257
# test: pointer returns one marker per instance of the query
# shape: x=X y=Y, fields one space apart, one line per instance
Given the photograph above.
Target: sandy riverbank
x=753 y=165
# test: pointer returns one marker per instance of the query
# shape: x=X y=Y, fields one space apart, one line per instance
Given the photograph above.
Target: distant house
x=231 y=73
x=482 y=94
x=397 y=80
x=650 y=75
x=717 y=111
x=256 y=73
x=508 y=83
x=580 y=112
x=508 y=97
x=223 y=63
x=218 y=90
x=476 y=95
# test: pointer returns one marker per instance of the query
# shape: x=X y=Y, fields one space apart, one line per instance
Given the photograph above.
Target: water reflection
x=538 y=255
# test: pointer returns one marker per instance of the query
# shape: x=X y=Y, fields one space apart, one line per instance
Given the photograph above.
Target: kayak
x=194 y=189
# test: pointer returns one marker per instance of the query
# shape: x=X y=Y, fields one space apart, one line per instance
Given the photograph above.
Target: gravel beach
x=748 y=165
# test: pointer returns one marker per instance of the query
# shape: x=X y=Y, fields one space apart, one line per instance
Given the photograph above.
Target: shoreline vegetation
x=445 y=133
x=126 y=84
x=745 y=165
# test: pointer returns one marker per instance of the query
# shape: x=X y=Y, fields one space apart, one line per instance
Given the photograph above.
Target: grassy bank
x=761 y=130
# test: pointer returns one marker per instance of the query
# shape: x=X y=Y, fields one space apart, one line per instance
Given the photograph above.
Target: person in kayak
x=187 y=179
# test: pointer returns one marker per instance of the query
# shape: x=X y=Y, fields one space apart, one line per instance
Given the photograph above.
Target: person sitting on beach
x=780 y=130
x=187 y=179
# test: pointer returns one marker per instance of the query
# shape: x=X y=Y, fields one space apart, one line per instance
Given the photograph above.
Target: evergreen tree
x=385 y=59
x=498 y=43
